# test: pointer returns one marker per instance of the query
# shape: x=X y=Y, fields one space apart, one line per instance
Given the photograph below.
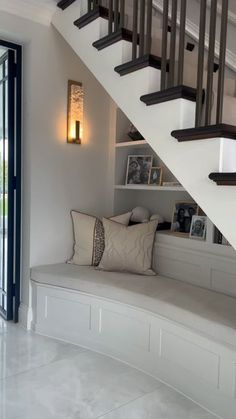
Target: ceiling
x=38 y=10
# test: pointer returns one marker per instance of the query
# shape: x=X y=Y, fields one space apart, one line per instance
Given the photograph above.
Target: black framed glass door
x=10 y=185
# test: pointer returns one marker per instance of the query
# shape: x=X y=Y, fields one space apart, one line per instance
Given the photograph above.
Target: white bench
x=181 y=334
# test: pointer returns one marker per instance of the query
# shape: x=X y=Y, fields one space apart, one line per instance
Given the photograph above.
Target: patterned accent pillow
x=128 y=249
x=89 y=240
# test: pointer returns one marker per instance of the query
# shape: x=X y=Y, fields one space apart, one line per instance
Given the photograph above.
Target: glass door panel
x=7 y=118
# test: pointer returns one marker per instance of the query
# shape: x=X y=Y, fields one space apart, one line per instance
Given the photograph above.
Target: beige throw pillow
x=130 y=248
x=89 y=238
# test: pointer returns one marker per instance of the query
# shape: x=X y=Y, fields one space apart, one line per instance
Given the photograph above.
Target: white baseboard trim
x=25 y=316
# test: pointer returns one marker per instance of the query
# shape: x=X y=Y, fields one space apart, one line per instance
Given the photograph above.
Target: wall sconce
x=75 y=112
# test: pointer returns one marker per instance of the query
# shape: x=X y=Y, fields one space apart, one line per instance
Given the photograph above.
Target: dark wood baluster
x=200 y=71
x=182 y=41
x=135 y=29
x=122 y=13
x=210 y=67
x=164 y=43
x=149 y=28
x=116 y=15
x=110 y=17
x=141 y=27
x=174 y=8
x=221 y=77
x=89 y=5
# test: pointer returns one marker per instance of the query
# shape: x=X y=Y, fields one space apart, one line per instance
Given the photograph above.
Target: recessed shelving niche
x=158 y=199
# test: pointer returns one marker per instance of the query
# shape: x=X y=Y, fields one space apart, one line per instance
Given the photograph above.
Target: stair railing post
x=174 y=8
x=116 y=15
x=221 y=76
x=182 y=41
x=164 y=43
x=122 y=13
x=141 y=28
x=135 y=30
x=200 y=70
x=211 y=57
x=148 y=28
x=89 y=5
x=110 y=17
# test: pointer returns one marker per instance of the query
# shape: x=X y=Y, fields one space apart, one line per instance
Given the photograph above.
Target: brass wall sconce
x=75 y=112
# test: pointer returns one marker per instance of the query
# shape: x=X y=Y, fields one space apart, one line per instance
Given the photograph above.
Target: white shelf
x=140 y=143
x=151 y=188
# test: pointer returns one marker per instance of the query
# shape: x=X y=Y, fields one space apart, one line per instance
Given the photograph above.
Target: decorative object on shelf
x=75 y=112
x=175 y=183
x=138 y=170
x=157 y=217
x=134 y=134
x=155 y=176
x=198 y=227
x=140 y=215
x=182 y=216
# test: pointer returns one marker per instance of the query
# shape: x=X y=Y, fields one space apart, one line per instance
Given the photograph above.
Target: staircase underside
x=189 y=161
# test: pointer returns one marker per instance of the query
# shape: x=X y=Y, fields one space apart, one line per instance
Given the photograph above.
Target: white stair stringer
x=191 y=162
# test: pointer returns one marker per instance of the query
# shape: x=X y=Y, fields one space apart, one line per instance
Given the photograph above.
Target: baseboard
x=25 y=316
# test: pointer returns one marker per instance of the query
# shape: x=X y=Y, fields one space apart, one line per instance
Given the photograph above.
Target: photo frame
x=182 y=216
x=138 y=169
x=155 y=178
x=198 y=227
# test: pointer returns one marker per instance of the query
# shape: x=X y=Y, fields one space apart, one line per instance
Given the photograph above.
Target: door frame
x=17 y=175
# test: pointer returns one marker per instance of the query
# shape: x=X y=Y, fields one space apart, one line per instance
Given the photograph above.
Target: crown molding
x=193 y=31
x=40 y=12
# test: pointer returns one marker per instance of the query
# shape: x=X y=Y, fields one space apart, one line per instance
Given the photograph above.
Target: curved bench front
x=123 y=316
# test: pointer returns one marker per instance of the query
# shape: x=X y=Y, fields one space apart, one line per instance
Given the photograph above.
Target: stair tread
x=63 y=4
x=223 y=178
x=172 y=93
x=204 y=133
x=99 y=11
x=148 y=60
x=121 y=34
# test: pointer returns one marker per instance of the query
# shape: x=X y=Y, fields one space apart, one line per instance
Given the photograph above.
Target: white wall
x=57 y=176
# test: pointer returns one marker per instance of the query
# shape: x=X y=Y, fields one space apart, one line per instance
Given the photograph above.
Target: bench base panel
x=202 y=369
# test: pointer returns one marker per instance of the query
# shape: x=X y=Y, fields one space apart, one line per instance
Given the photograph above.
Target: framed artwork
x=155 y=176
x=198 y=227
x=138 y=170
x=182 y=216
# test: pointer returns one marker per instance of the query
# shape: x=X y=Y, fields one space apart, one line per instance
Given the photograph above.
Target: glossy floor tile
x=41 y=378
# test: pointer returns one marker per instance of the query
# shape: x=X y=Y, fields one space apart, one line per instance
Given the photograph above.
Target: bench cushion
x=205 y=311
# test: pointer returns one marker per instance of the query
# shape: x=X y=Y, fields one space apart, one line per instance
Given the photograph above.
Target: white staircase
x=191 y=162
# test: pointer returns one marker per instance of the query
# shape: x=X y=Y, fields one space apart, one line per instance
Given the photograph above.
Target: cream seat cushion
x=199 y=309
x=128 y=249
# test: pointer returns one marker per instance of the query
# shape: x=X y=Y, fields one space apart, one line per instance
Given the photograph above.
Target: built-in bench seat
x=180 y=333
x=203 y=310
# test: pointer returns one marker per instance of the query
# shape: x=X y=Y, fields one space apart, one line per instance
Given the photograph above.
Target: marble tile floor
x=41 y=378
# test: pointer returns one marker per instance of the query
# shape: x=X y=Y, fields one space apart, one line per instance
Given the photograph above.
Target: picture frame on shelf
x=198 y=227
x=182 y=216
x=155 y=178
x=138 y=169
